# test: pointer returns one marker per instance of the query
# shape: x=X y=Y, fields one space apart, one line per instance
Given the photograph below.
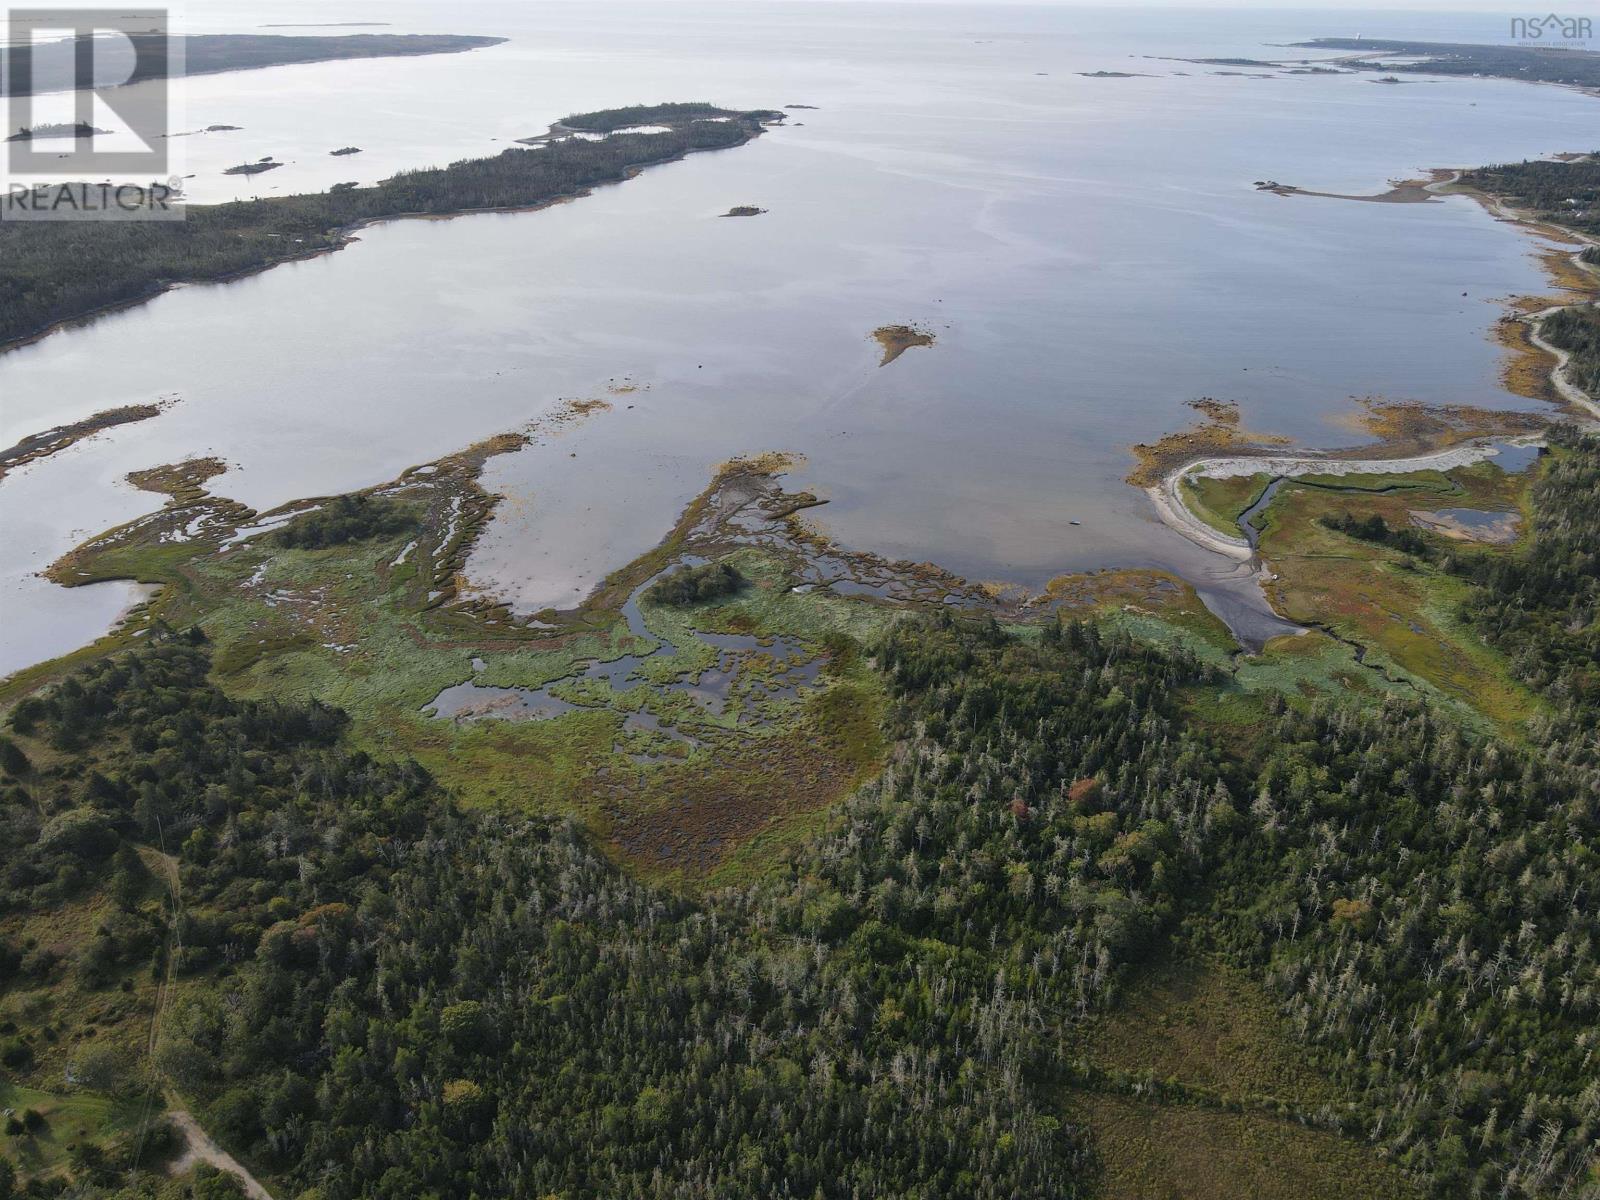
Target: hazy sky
x=1534 y=7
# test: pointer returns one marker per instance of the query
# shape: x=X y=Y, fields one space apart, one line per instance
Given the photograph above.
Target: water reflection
x=747 y=670
x=1087 y=270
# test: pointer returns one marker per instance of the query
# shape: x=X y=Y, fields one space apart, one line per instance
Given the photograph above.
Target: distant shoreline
x=1562 y=66
x=593 y=164
x=221 y=53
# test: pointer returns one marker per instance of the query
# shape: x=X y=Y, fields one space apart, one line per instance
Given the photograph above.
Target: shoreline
x=48 y=442
x=343 y=235
x=1360 y=61
x=1166 y=495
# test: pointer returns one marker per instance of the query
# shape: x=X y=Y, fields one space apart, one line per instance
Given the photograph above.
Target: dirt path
x=199 y=1148
x=1568 y=391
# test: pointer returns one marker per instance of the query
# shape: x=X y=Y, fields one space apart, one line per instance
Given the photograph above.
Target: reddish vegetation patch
x=1084 y=792
x=1220 y=433
x=701 y=816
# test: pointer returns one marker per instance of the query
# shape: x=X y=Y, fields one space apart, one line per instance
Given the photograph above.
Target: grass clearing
x=70 y=1119
x=1160 y=1152
x=61 y=1012
x=1400 y=609
x=1221 y=502
x=1207 y=1025
x=1192 y=1026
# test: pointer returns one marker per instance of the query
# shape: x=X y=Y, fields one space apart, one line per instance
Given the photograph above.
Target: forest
x=363 y=987
x=1541 y=609
x=1567 y=192
x=1577 y=331
x=379 y=993
x=1375 y=529
x=55 y=270
x=211 y=53
x=610 y=120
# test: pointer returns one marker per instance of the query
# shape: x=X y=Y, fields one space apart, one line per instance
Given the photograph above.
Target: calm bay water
x=1090 y=253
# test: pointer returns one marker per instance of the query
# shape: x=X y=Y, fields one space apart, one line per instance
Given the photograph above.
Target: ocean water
x=1090 y=253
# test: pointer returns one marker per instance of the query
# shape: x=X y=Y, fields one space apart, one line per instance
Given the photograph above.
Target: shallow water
x=1474 y=524
x=1247 y=519
x=1090 y=253
x=795 y=669
x=1514 y=459
x=1474 y=518
x=476 y=702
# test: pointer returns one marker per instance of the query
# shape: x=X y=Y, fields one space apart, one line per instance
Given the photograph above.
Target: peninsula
x=56 y=271
x=1534 y=64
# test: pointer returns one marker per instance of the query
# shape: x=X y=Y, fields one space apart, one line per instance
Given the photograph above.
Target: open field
x=1207 y=1025
x=1221 y=502
x=1170 y=1152
x=1400 y=609
x=1202 y=1094
x=69 y=1121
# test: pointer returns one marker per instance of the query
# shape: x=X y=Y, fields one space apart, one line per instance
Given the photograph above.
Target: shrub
x=696 y=585
x=105 y=1068
x=346 y=519
x=12 y=759
x=81 y=832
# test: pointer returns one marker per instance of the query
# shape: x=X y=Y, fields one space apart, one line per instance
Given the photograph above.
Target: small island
x=345 y=150
x=255 y=168
x=208 y=129
x=223 y=240
x=640 y=120
x=80 y=129
x=42 y=445
x=897 y=339
x=744 y=210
